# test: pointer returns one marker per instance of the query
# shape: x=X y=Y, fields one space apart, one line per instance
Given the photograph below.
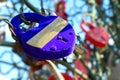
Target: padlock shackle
x=16 y=21
x=91 y=25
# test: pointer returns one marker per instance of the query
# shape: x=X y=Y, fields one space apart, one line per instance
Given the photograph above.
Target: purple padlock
x=53 y=38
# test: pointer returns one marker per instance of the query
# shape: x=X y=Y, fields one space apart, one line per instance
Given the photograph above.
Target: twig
x=32 y=7
x=9 y=25
x=4 y=43
x=4 y=62
x=22 y=15
x=42 y=9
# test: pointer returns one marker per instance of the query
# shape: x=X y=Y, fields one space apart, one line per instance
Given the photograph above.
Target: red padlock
x=60 y=9
x=88 y=53
x=79 y=65
x=96 y=35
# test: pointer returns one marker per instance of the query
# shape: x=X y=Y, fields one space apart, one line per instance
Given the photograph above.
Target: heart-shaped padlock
x=96 y=35
x=54 y=38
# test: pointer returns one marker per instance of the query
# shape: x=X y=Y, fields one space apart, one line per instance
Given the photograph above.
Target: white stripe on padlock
x=48 y=33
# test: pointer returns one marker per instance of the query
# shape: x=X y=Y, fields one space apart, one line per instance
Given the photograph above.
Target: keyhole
x=62 y=38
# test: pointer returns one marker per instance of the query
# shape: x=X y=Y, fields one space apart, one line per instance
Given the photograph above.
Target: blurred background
x=88 y=61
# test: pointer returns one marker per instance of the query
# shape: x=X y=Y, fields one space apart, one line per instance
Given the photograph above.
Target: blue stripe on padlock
x=59 y=46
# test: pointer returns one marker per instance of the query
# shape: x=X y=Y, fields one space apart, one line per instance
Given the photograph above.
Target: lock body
x=96 y=35
x=49 y=40
x=80 y=66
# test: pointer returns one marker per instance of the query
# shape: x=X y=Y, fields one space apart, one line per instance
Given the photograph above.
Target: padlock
x=96 y=35
x=88 y=52
x=79 y=65
x=53 y=38
x=60 y=9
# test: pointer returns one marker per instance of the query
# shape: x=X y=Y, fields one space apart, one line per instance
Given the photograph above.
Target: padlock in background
x=79 y=65
x=96 y=35
x=59 y=46
x=60 y=9
x=88 y=52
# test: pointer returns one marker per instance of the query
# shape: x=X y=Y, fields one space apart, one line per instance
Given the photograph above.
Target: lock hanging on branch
x=98 y=36
x=60 y=9
x=53 y=38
